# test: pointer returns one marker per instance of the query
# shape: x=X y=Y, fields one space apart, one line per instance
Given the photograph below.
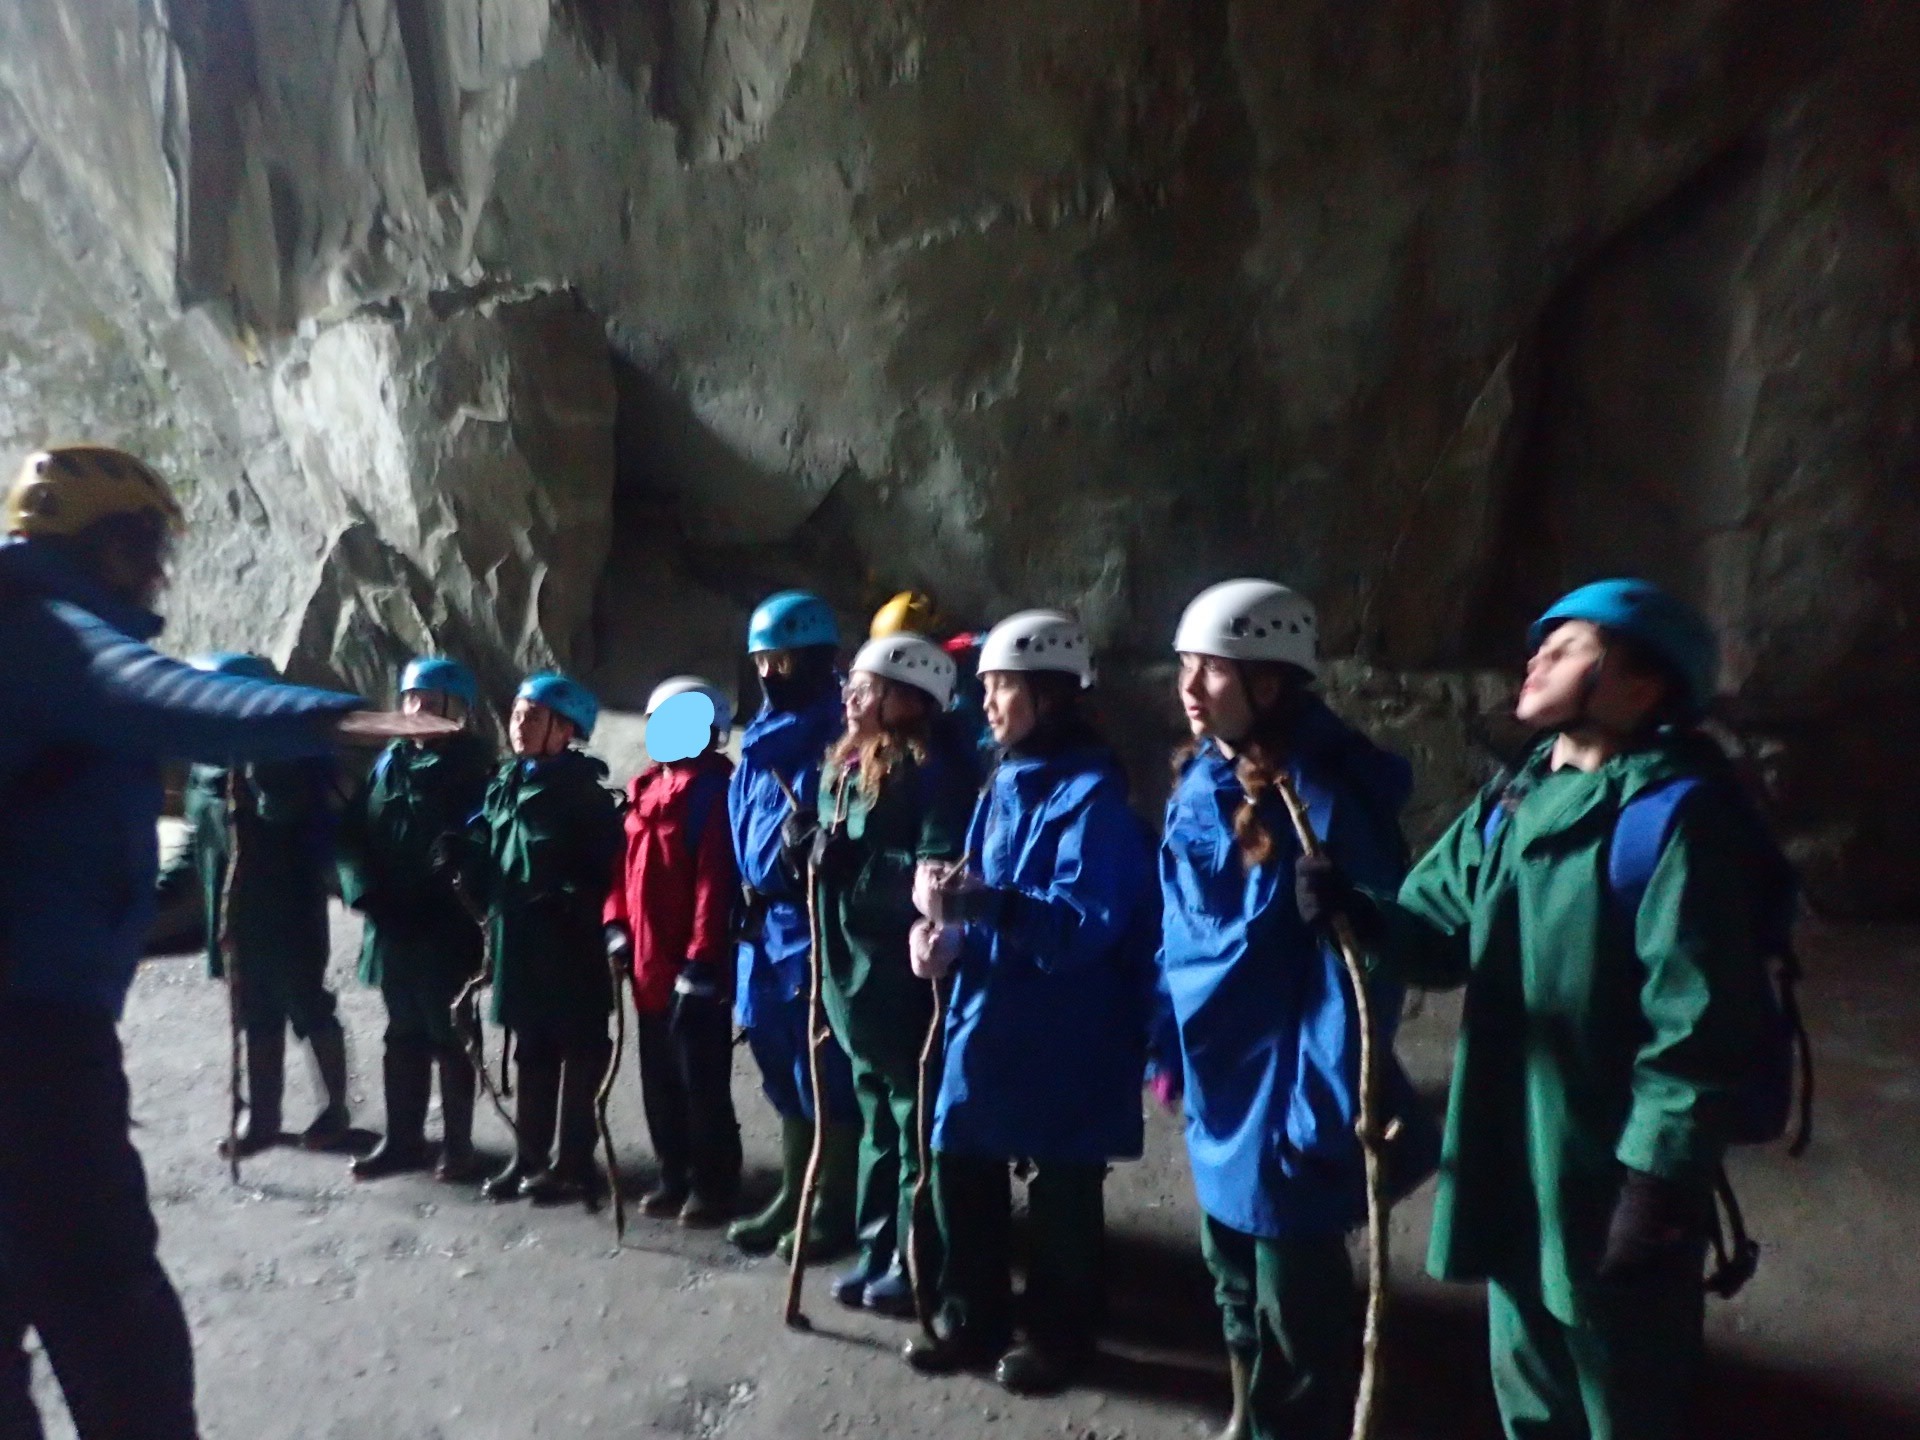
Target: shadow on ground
x=1436 y=1364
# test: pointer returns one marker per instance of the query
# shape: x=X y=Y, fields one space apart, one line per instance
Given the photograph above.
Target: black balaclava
x=813 y=676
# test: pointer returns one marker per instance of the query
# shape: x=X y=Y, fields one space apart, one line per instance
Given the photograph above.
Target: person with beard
x=793 y=639
x=1265 y=1040
x=1050 y=932
x=898 y=789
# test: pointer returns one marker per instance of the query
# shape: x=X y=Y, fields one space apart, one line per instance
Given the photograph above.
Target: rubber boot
x=758 y=1234
x=266 y=1076
x=535 y=1107
x=575 y=1177
x=458 y=1164
x=832 y=1230
x=1240 y=1422
x=406 y=1068
x=331 y=1128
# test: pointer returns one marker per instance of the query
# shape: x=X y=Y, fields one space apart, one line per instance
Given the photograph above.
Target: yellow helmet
x=910 y=610
x=63 y=490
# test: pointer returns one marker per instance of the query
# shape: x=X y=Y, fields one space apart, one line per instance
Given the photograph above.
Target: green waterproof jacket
x=278 y=907
x=539 y=860
x=1591 y=1039
x=878 y=1008
x=417 y=927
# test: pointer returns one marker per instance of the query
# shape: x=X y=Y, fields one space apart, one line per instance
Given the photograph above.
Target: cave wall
x=556 y=330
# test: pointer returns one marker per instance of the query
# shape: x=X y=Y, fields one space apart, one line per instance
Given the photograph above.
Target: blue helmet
x=231 y=662
x=568 y=699
x=791 y=620
x=1668 y=627
x=441 y=676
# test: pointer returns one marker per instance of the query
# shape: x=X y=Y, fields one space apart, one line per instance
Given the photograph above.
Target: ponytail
x=1260 y=758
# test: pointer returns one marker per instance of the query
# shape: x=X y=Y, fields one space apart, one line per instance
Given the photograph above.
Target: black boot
x=574 y=1176
x=266 y=1076
x=331 y=1128
x=458 y=1164
x=407 y=1068
x=533 y=1115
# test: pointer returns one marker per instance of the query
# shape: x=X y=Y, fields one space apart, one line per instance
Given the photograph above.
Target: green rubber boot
x=758 y=1234
x=832 y=1230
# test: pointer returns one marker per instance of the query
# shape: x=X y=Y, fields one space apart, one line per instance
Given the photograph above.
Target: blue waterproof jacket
x=1266 y=1027
x=87 y=713
x=788 y=744
x=1046 y=1033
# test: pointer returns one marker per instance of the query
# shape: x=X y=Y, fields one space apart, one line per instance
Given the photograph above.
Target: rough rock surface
x=556 y=329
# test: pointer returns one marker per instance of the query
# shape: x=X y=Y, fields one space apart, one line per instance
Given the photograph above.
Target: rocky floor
x=323 y=1308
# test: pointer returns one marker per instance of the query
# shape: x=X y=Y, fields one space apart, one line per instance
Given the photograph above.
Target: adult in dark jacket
x=421 y=944
x=1051 y=933
x=539 y=860
x=897 y=789
x=670 y=920
x=88 y=713
x=792 y=639
x=267 y=916
x=1266 y=1039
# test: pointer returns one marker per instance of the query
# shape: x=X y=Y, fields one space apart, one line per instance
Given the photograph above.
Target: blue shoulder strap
x=1640 y=835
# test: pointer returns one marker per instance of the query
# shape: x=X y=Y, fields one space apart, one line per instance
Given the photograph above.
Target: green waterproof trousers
x=1066 y=1248
x=1625 y=1373
x=889 y=1166
x=1289 y=1310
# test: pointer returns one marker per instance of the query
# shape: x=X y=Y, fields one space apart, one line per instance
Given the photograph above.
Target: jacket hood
x=679 y=774
x=46 y=570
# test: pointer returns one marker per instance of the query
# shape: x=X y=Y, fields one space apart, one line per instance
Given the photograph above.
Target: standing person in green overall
x=539 y=859
x=421 y=945
x=273 y=915
x=896 y=789
x=1602 y=1048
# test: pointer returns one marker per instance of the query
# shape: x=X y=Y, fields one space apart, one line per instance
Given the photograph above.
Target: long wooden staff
x=230 y=961
x=605 y=1094
x=1372 y=1137
x=816 y=1038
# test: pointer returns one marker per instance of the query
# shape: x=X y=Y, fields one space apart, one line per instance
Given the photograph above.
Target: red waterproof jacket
x=677 y=885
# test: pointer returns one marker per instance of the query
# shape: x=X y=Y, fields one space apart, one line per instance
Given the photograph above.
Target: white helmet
x=1251 y=620
x=685 y=684
x=912 y=660
x=1039 y=640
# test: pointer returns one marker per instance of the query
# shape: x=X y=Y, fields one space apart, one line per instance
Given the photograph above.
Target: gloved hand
x=1652 y=1220
x=619 y=940
x=928 y=877
x=932 y=949
x=1323 y=892
x=797 y=834
x=699 y=998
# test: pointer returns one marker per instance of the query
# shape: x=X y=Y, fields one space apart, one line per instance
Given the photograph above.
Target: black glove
x=445 y=855
x=1653 y=1221
x=1323 y=893
x=619 y=940
x=797 y=833
x=700 y=999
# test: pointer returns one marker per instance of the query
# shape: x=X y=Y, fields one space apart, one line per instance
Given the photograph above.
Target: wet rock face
x=553 y=331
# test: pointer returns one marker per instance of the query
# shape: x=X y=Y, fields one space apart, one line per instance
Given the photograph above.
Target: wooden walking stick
x=606 y=1093
x=816 y=1037
x=466 y=1016
x=1372 y=1136
x=230 y=961
x=923 y=1180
